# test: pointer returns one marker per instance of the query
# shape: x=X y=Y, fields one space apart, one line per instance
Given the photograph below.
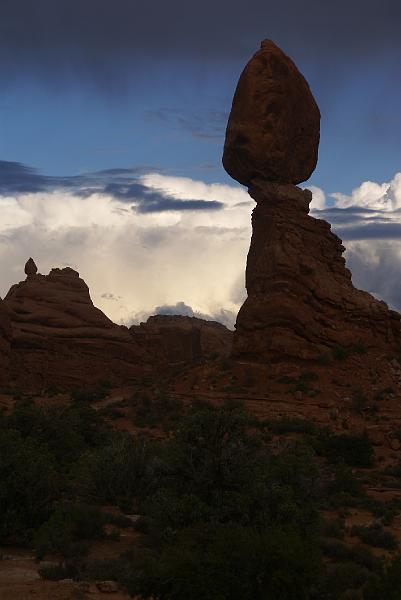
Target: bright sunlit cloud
x=191 y=261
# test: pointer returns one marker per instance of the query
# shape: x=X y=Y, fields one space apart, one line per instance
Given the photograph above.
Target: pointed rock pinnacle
x=30 y=268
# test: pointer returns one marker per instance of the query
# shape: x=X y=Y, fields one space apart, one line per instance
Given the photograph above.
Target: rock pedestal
x=301 y=301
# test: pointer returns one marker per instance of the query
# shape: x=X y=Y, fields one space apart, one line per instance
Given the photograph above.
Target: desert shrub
x=342 y=578
x=55 y=572
x=290 y=425
x=359 y=400
x=117 y=473
x=387 y=583
x=352 y=450
x=68 y=527
x=161 y=410
x=91 y=393
x=339 y=353
x=215 y=470
x=115 y=569
x=66 y=432
x=227 y=561
x=375 y=535
x=29 y=485
x=360 y=555
x=333 y=528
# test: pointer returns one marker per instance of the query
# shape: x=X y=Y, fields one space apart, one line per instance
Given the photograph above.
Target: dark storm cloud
x=16 y=178
x=371 y=231
x=64 y=36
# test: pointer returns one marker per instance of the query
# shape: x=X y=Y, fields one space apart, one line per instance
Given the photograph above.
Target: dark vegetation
x=224 y=515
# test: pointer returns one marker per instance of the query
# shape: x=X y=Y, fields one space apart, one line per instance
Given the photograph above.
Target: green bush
x=375 y=535
x=68 y=527
x=117 y=473
x=228 y=561
x=352 y=450
x=29 y=485
x=385 y=585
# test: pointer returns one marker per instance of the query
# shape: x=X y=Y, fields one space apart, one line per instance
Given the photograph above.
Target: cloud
x=121 y=184
x=318 y=198
x=133 y=260
x=73 y=37
x=181 y=257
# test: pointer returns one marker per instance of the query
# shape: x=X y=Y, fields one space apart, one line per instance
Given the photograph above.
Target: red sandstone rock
x=301 y=301
x=30 y=267
x=61 y=338
x=274 y=125
x=179 y=339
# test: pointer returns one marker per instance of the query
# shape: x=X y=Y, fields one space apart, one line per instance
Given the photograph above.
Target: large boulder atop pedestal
x=61 y=339
x=301 y=301
x=274 y=126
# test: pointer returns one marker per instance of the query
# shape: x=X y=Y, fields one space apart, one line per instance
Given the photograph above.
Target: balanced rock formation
x=61 y=339
x=274 y=126
x=5 y=339
x=301 y=301
x=30 y=268
x=173 y=339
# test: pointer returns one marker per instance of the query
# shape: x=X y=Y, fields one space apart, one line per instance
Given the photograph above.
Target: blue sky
x=94 y=86
x=175 y=121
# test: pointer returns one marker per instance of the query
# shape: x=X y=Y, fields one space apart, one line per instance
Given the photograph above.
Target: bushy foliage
x=228 y=561
x=70 y=525
x=117 y=473
x=29 y=485
x=387 y=583
x=352 y=450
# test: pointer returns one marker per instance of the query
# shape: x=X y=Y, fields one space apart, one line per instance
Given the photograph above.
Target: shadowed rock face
x=61 y=338
x=175 y=339
x=274 y=126
x=301 y=301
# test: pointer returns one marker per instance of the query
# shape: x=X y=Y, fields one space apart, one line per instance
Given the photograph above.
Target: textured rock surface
x=301 y=301
x=60 y=338
x=5 y=339
x=177 y=339
x=274 y=125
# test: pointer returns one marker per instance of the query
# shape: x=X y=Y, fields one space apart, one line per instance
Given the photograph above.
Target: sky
x=112 y=120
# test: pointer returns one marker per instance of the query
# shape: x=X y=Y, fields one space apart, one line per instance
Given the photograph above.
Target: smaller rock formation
x=30 y=268
x=60 y=338
x=173 y=339
x=274 y=126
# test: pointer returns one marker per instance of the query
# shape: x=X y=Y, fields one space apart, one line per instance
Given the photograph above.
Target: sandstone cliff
x=301 y=302
x=61 y=338
x=178 y=339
